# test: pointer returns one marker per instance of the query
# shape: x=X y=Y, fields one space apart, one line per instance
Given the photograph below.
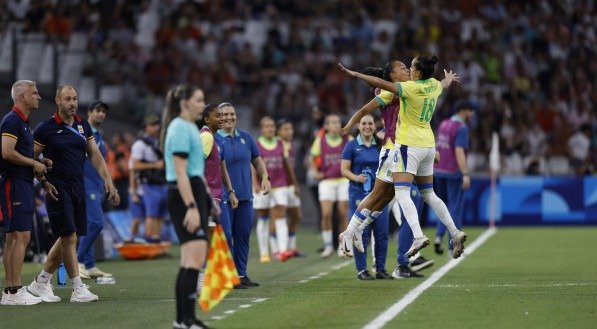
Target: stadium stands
x=520 y=63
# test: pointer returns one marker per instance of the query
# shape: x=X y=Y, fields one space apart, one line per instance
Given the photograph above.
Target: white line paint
x=259 y=300
x=400 y=305
x=512 y=285
x=320 y=274
x=252 y=299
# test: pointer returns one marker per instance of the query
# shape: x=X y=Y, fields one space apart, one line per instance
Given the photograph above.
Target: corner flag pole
x=494 y=168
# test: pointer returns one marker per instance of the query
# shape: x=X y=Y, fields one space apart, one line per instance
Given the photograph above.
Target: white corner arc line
x=400 y=305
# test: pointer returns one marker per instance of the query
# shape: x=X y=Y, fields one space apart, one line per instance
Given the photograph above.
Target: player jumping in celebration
x=383 y=190
x=415 y=148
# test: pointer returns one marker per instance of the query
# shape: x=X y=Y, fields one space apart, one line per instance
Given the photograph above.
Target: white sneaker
x=327 y=252
x=5 y=298
x=82 y=295
x=44 y=291
x=357 y=240
x=458 y=243
x=83 y=272
x=345 y=245
x=417 y=245
x=21 y=297
x=95 y=272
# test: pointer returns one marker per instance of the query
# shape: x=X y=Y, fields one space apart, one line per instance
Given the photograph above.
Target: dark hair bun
x=374 y=71
x=433 y=59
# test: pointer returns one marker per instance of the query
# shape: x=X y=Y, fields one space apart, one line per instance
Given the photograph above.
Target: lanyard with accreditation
x=76 y=132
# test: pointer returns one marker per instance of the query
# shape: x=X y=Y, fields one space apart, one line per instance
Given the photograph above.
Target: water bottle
x=105 y=280
x=368 y=184
x=61 y=276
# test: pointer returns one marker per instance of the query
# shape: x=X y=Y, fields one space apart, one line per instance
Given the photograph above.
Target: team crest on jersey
x=81 y=131
x=242 y=140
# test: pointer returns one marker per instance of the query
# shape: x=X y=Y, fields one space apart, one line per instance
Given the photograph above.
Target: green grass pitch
x=520 y=278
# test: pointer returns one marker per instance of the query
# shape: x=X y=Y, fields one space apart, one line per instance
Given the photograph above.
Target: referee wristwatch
x=192 y=205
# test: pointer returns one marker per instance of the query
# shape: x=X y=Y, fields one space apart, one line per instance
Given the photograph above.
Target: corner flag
x=221 y=275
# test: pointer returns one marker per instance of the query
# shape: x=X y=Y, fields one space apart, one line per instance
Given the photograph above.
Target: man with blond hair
x=17 y=193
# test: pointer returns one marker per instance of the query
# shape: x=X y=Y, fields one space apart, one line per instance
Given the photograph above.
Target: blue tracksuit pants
x=449 y=189
x=95 y=224
x=380 y=228
x=241 y=224
x=405 y=235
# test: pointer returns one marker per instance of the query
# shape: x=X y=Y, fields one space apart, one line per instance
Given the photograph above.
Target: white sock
x=43 y=277
x=408 y=208
x=440 y=209
x=76 y=282
x=327 y=238
x=370 y=219
x=282 y=234
x=396 y=211
x=273 y=243
x=291 y=241
x=358 y=220
x=262 y=235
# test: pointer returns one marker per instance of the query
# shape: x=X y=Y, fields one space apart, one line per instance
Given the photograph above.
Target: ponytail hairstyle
x=172 y=110
x=388 y=70
x=208 y=109
x=374 y=71
x=426 y=65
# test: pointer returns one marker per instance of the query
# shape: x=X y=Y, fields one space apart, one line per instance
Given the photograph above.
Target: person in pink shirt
x=274 y=204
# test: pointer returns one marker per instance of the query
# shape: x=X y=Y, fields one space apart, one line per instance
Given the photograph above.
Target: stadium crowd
x=531 y=73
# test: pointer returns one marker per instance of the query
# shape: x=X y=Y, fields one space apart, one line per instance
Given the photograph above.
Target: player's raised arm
x=371 y=80
x=450 y=77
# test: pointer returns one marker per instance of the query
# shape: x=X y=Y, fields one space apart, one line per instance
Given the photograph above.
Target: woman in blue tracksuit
x=359 y=163
x=240 y=152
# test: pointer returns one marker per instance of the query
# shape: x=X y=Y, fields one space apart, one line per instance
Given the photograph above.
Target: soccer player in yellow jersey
x=415 y=146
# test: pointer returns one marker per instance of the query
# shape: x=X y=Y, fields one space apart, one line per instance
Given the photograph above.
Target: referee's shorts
x=178 y=210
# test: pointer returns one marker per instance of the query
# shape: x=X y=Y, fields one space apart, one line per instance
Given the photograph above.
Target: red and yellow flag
x=220 y=275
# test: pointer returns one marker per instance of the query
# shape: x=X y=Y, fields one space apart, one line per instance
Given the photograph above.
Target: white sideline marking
x=400 y=305
x=259 y=300
x=513 y=285
x=320 y=274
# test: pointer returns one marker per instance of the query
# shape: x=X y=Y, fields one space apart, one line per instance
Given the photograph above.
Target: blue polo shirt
x=183 y=138
x=238 y=152
x=93 y=180
x=15 y=125
x=66 y=146
x=361 y=157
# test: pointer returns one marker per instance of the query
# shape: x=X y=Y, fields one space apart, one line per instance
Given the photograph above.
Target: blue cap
x=96 y=104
